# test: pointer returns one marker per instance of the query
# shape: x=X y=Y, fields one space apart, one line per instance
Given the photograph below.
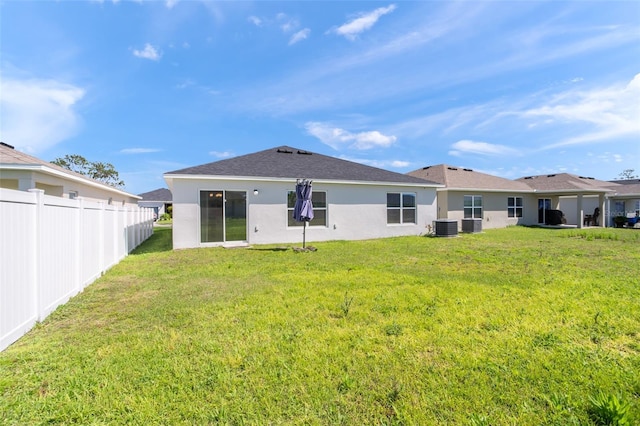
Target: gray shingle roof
x=566 y=182
x=460 y=178
x=626 y=187
x=161 y=194
x=291 y=163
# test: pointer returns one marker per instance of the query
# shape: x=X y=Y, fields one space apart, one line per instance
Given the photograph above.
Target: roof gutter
x=507 y=191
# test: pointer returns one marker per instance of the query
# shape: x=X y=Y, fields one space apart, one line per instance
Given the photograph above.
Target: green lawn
x=518 y=326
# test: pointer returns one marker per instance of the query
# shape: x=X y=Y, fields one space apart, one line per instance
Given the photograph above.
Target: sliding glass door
x=544 y=204
x=223 y=216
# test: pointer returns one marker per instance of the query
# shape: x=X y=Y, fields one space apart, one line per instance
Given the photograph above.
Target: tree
x=628 y=174
x=102 y=172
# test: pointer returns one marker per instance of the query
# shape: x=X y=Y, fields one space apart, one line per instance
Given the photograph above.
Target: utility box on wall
x=472 y=226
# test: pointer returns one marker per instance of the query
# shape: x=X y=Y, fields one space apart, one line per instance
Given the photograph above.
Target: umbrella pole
x=304 y=231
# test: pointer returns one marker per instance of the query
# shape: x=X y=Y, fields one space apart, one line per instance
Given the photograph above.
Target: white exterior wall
x=494 y=208
x=569 y=206
x=52 y=248
x=354 y=211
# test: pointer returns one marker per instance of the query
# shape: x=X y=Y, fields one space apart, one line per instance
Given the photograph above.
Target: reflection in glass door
x=223 y=216
x=544 y=204
x=235 y=216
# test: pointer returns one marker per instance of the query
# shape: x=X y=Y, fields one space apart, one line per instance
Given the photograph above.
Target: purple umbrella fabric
x=303 y=209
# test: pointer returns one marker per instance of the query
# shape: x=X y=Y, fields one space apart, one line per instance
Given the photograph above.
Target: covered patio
x=582 y=200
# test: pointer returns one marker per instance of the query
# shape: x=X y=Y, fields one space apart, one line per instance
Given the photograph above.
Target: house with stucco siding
x=249 y=199
x=469 y=194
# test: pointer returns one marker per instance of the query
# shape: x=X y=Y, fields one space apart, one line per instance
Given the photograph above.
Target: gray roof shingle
x=161 y=194
x=461 y=178
x=291 y=163
x=566 y=182
x=626 y=187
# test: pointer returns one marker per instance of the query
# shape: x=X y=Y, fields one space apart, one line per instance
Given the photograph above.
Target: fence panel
x=52 y=247
x=91 y=243
x=59 y=253
x=18 y=296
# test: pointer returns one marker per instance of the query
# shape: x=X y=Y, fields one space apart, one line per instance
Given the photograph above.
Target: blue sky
x=511 y=88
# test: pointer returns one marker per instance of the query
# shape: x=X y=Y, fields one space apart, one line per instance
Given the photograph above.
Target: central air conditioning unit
x=446 y=228
x=472 y=226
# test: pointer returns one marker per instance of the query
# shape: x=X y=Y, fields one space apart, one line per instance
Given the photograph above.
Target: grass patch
x=511 y=326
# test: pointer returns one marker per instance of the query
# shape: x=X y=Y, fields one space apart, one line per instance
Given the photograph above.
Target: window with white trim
x=473 y=206
x=319 y=201
x=515 y=206
x=401 y=207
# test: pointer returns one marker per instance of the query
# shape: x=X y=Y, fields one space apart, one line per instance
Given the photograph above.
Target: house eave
x=502 y=191
x=573 y=192
x=170 y=177
x=53 y=172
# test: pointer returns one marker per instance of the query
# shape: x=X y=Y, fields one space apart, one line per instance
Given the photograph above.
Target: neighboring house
x=20 y=171
x=502 y=202
x=624 y=199
x=250 y=199
x=159 y=200
x=577 y=197
x=467 y=194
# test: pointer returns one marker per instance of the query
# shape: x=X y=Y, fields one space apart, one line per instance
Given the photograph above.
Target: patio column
x=601 y=219
x=580 y=211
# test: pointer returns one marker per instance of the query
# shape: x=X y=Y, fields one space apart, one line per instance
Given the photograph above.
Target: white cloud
x=481 y=148
x=365 y=21
x=336 y=137
x=224 y=154
x=185 y=83
x=299 y=36
x=255 y=21
x=381 y=164
x=149 y=52
x=400 y=163
x=37 y=114
x=171 y=3
x=138 y=150
x=289 y=26
x=607 y=114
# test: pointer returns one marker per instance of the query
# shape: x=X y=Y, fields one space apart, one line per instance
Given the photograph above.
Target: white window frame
x=513 y=207
x=474 y=205
x=402 y=208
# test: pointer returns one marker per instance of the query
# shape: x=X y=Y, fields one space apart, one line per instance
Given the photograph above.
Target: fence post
x=101 y=239
x=79 y=248
x=37 y=252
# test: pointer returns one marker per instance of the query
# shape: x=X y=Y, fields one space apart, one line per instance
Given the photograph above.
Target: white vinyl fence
x=51 y=248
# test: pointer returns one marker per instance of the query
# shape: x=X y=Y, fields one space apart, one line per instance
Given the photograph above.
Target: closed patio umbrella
x=303 y=209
